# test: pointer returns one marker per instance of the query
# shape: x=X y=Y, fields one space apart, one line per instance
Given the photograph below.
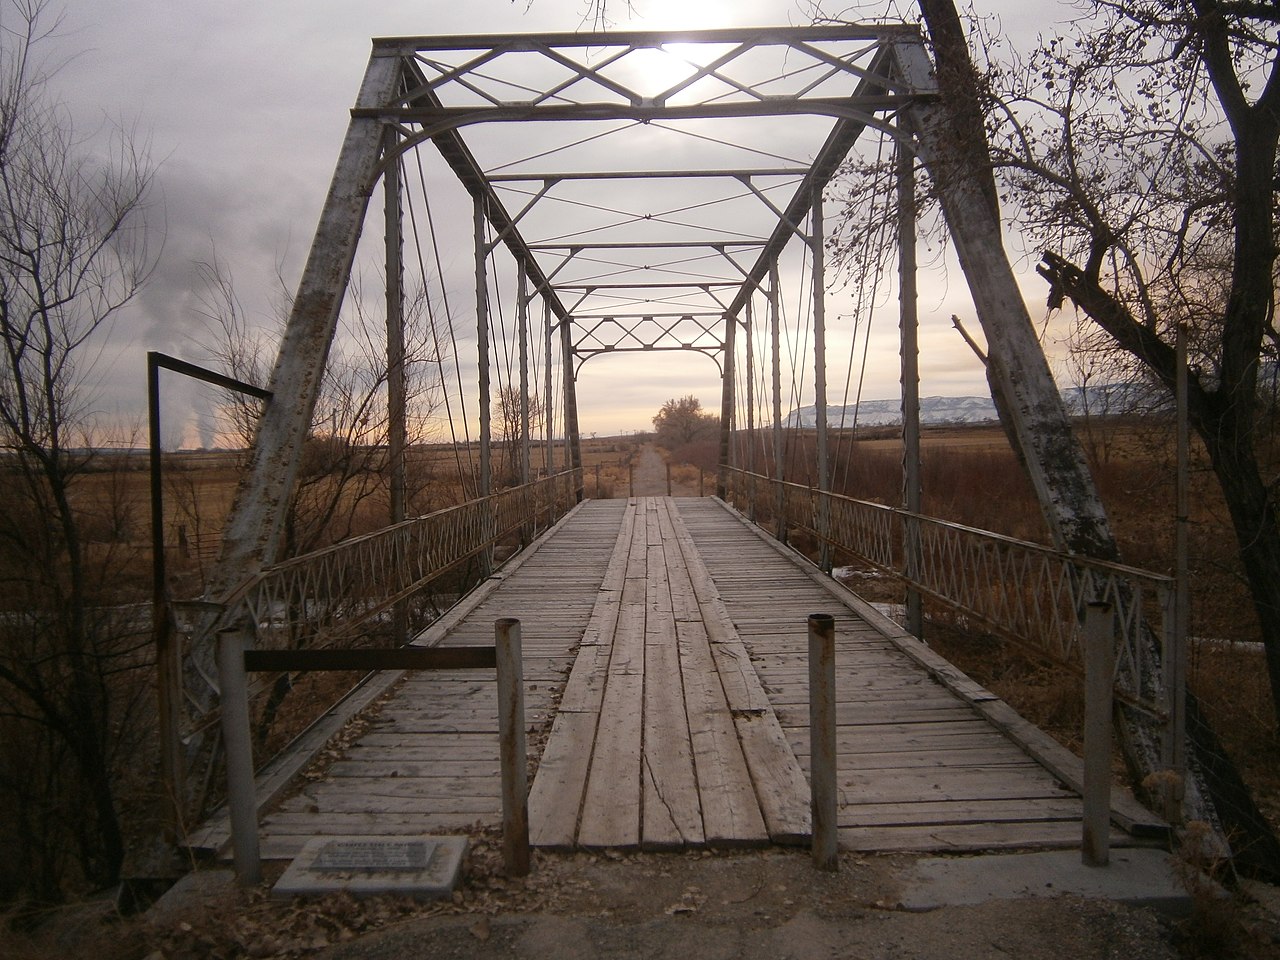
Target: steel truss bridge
x=644 y=192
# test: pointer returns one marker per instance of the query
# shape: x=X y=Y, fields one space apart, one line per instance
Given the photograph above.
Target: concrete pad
x=1137 y=877
x=422 y=867
x=199 y=890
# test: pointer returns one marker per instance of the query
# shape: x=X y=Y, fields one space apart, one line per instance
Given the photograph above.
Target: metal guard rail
x=1029 y=593
x=320 y=597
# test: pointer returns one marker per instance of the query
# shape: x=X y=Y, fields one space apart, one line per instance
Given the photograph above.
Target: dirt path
x=650 y=476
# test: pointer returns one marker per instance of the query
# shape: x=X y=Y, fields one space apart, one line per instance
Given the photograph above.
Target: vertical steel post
x=168 y=655
x=775 y=351
x=822 y=740
x=909 y=326
x=482 y=348
x=242 y=798
x=668 y=479
x=817 y=249
x=511 y=733
x=548 y=421
x=726 y=405
x=749 y=458
x=1099 y=667
x=522 y=314
x=1175 y=652
x=572 y=439
x=397 y=431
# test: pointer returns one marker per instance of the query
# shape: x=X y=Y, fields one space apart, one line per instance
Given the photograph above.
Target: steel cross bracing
x=693 y=163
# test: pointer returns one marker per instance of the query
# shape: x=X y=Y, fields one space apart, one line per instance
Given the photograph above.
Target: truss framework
x=644 y=219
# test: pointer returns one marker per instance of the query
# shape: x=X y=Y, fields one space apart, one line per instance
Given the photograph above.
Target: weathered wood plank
x=671 y=812
x=555 y=799
x=730 y=812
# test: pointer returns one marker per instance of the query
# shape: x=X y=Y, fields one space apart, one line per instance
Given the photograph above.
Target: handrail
x=323 y=596
x=1027 y=592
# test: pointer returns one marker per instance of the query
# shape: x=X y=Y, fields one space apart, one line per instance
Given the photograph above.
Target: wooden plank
x=730 y=811
x=950 y=812
x=480 y=808
x=555 y=799
x=780 y=785
x=611 y=807
x=964 y=838
x=671 y=812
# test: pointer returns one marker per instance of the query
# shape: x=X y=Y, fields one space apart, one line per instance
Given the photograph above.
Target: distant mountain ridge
x=1104 y=399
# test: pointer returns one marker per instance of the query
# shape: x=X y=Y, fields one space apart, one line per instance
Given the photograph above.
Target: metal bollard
x=512 y=748
x=242 y=798
x=822 y=740
x=1099 y=665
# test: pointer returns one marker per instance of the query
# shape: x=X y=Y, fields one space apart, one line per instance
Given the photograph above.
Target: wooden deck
x=666 y=694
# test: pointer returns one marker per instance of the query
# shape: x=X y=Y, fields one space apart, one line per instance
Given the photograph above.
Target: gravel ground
x=760 y=905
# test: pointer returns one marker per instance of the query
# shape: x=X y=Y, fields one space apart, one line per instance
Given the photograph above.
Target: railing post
x=702 y=477
x=631 y=479
x=668 y=479
x=822 y=740
x=1098 y=669
x=512 y=750
x=597 y=481
x=237 y=741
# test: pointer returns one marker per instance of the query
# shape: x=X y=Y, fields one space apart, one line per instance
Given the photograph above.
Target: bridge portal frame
x=431 y=89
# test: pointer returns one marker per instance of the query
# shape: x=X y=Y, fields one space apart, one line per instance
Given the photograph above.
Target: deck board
x=666 y=686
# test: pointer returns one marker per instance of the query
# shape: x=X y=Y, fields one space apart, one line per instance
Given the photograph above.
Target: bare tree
x=344 y=462
x=1139 y=154
x=74 y=249
x=682 y=421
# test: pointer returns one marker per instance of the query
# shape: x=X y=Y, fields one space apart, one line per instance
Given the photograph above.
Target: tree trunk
x=1235 y=465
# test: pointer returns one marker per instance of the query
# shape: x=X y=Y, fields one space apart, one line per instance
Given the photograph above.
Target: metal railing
x=326 y=596
x=349 y=594
x=1028 y=593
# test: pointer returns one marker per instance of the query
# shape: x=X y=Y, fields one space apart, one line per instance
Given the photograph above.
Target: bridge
x=666 y=685
x=665 y=656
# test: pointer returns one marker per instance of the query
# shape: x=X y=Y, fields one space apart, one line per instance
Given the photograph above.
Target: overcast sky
x=245 y=102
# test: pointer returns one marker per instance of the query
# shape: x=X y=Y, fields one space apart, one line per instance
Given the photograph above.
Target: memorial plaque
x=347 y=855
x=422 y=867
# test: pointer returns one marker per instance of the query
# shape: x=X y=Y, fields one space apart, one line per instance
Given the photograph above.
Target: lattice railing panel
x=324 y=596
x=1025 y=591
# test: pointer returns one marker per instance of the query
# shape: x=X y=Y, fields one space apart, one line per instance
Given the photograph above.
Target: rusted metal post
x=909 y=327
x=775 y=360
x=168 y=656
x=818 y=252
x=749 y=454
x=822 y=740
x=548 y=420
x=702 y=476
x=1099 y=665
x=482 y=348
x=572 y=437
x=726 y=404
x=512 y=749
x=1177 y=626
x=668 y=479
x=242 y=798
x=397 y=430
x=522 y=314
